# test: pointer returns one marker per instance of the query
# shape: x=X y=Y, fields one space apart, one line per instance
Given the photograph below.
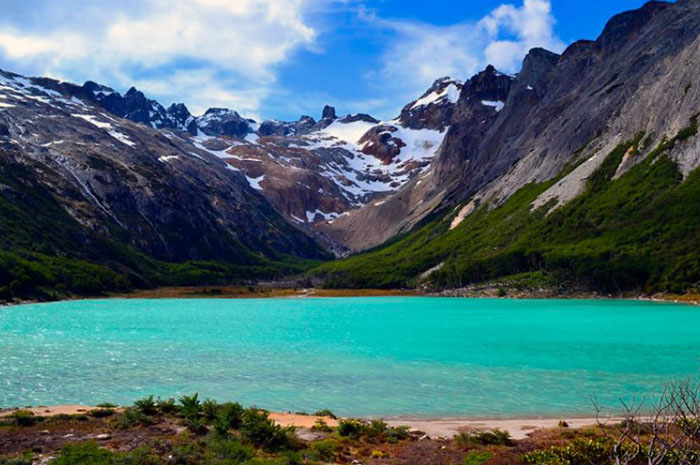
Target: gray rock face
x=639 y=75
x=154 y=190
x=282 y=128
x=328 y=113
x=224 y=122
x=434 y=109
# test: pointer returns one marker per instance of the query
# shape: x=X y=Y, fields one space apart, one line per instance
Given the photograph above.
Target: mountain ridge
x=472 y=181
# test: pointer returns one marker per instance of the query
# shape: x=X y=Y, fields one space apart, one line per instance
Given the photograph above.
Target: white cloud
x=205 y=52
x=532 y=25
x=419 y=53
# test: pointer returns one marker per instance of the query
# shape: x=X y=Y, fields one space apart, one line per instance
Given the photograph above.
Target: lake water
x=393 y=356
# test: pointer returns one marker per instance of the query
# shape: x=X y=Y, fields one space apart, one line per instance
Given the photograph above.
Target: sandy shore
x=265 y=292
x=446 y=428
x=518 y=428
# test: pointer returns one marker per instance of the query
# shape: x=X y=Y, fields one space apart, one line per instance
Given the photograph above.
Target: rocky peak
x=358 y=117
x=488 y=86
x=179 y=117
x=621 y=27
x=536 y=63
x=328 y=113
x=95 y=88
x=224 y=122
x=287 y=128
x=433 y=110
x=133 y=105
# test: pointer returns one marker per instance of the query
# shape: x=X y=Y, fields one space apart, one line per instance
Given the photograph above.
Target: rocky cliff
x=154 y=192
x=583 y=166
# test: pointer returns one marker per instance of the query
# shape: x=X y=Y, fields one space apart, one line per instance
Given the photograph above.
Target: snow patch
x=94 y=121
x=311 y=216
x=348 y=132
x=121 y=137
x=255 y=182
x=449 y=93
x=494 y=104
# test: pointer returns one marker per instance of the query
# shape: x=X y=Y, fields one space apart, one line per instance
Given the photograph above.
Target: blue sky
x=284 y=58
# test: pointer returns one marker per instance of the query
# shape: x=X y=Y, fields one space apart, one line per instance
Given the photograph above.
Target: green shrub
x=351 y=428
x=397 y=433
x=476 y=457
x=147 y=406
x=190 y=406
x=258 y=430
x=324 y=451
x=291 y=457
x=25 y=459
x=321 y=426
x=376 y=429
x=227 y=450
x=26 y=418
x=166 y=406
x=578 y=452
x=106 y=405
x=129 y=418
x=210 y=409
x=229 y=416
x=101 y=412
x=494 y=437
x=187 y=454
x=87 y=453
x=326 y=413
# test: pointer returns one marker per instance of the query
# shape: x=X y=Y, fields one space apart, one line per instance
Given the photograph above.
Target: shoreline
x=442 y=427
x=264 y=292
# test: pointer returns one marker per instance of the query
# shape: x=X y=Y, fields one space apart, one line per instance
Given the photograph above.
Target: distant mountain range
x=578 y=172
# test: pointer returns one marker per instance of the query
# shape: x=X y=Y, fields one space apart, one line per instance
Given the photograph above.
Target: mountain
x=311 y=172
x=82 y=189
x=581 y=171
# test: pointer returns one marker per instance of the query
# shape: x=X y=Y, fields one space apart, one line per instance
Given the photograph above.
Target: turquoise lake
x=393 y=356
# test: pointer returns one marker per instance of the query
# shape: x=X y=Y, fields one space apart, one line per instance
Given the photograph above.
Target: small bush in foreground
x=476 y=457
x=494 y=437
x=210 y=409
x=190 y=406
x=166 y=406
x=375 y=431
x=324 y=451
x=579 y=452
x=87 y=453
x=227 y=450
x=106 y=405
x=326 y=413
x=23 y=460
x=26 y=418
x=321 y=426
x=351 y=429
x=101 y=413
x=129 y=418
x=228 y=417
x=147 y=406
x=258 y=430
